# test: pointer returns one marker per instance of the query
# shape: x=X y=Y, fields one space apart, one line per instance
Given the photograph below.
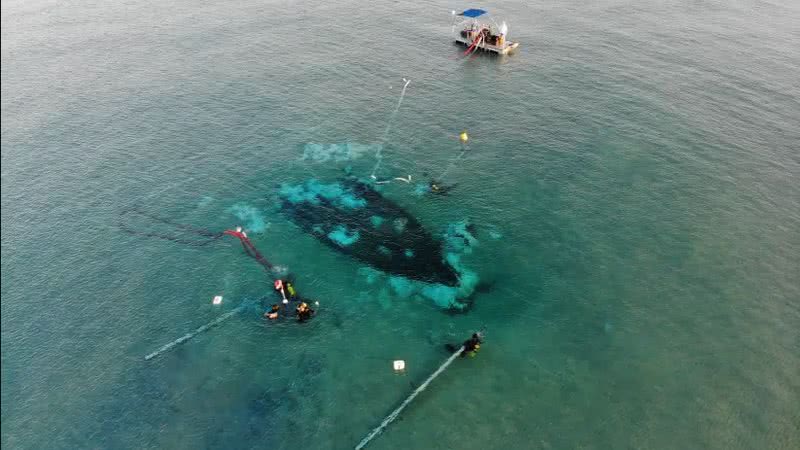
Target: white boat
x=476 y=35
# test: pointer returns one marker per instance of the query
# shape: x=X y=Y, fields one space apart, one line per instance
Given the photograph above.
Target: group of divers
x=303 y=312
x=288 y=293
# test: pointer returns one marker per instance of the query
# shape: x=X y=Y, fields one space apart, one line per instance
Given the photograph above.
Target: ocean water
x=633 y=175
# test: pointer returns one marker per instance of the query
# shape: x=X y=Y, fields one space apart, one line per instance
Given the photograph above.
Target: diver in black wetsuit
x=471 y=345
x=272 y=314
x=304 y=312
x=438 y=188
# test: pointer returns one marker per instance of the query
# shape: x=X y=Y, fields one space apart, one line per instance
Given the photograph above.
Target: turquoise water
x=632 y=173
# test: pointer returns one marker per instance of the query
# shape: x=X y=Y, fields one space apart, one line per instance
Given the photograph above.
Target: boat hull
x=504 y=49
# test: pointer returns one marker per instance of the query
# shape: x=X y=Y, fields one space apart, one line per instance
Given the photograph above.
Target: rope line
x=388 y=128
x=391 y=417
x=452 y=163
x=167 y=347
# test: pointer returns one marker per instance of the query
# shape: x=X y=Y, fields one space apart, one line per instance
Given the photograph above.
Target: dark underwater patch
x=353 y=218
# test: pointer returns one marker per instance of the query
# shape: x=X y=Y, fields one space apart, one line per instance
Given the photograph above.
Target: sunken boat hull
x=353 y=218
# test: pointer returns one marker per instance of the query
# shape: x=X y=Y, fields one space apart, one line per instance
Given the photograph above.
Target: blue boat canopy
x=473 y=13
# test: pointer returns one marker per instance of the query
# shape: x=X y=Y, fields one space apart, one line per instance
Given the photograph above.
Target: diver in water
x=437 y=188
x=304 y=312
x=279 y=286
x=471 y=345
x=273 y=313
x=290 y=290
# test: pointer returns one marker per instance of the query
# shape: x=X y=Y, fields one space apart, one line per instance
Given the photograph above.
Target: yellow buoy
x=463 y=136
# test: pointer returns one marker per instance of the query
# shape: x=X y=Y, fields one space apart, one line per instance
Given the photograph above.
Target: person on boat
x=304 y=312
x=273 y=313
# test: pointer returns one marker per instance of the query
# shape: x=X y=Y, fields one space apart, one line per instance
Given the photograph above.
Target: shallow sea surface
x=633 y=174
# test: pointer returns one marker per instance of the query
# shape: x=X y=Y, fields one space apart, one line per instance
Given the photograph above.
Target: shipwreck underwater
x=353 y=218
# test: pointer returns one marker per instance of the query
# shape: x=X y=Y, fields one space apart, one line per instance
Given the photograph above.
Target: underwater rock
x=354 y=219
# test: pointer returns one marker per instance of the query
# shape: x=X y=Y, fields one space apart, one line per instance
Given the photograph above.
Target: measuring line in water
x=252 y=251
x=388 y=128
x=194 y=333
x=450 y=166
x=391 y=417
